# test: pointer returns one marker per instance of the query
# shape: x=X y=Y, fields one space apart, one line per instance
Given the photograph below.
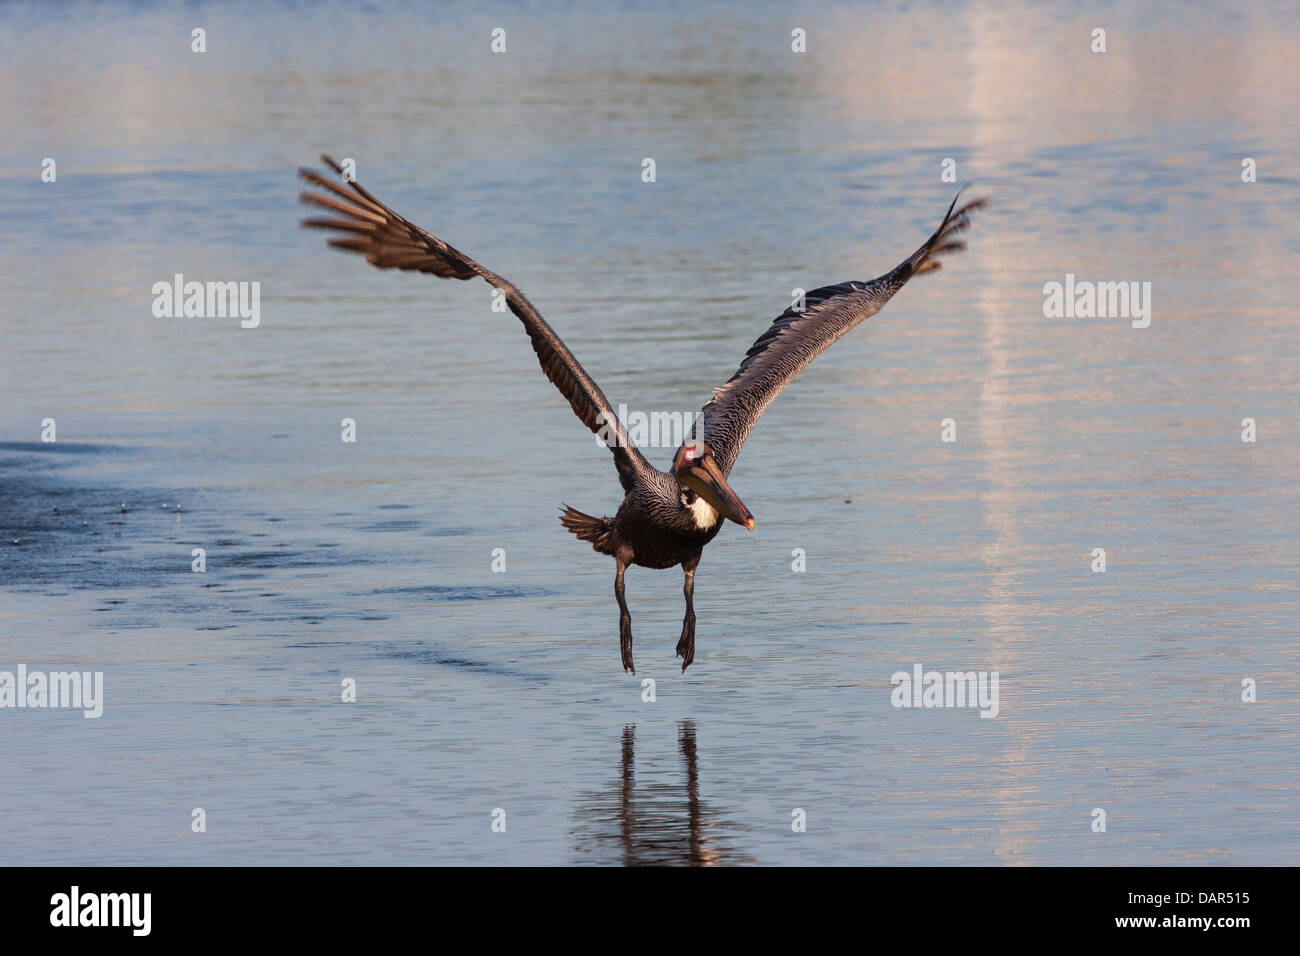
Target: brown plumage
x=599 y=531
x=795 y=338
x=391 y=242
x=666 y=518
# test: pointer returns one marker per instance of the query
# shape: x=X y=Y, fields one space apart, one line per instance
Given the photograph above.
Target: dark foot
x=686 y=646
x=625 y=643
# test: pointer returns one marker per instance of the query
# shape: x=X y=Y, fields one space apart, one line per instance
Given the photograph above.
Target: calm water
x=373 y=561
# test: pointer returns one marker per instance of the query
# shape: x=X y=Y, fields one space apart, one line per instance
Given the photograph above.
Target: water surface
x=373 y=561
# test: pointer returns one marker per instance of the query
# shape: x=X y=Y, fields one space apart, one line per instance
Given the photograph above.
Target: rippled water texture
x=373 y=561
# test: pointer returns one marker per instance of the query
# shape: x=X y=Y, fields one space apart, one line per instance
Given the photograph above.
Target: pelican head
x=697 y=471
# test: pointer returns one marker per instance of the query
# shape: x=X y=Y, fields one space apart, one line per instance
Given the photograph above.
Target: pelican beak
x=704 y=477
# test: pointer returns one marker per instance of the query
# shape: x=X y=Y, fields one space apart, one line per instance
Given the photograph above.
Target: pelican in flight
x=667 y=517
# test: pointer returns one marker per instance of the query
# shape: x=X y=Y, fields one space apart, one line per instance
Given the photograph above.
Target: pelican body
x=667 y=517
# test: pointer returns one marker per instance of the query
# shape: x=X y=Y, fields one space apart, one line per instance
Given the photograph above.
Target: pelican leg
x=624 y=618
x=686 y=646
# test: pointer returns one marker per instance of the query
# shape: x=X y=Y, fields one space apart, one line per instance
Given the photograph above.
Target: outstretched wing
x=796 y=338
x=390 y=242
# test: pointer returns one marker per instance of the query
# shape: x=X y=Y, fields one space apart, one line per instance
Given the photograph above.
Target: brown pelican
x=666 y=518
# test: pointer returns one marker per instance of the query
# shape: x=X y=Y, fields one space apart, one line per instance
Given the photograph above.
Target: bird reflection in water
x=654 y=823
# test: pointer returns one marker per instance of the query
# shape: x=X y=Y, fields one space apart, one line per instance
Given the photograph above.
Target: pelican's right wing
x=390 y=242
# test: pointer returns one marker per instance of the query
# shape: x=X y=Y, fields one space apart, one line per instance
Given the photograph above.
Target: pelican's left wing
x=391 y=242
x=796 y=338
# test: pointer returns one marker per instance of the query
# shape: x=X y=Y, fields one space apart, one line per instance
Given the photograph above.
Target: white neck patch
x=704 y=514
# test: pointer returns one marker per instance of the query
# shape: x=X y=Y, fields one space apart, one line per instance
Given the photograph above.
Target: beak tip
x=749 y=523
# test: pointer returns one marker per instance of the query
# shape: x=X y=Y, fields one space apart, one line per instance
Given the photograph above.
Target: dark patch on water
x=397 y=524
x=54 y=448
x=424 y=652
x=74 y=537
x=61 y=527
x=427 y=652
x=263 y=559
x=443 y=592
x=288 y=559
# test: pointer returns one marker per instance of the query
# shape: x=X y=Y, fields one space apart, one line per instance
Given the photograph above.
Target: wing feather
x=388 y=241
x=795 y=338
